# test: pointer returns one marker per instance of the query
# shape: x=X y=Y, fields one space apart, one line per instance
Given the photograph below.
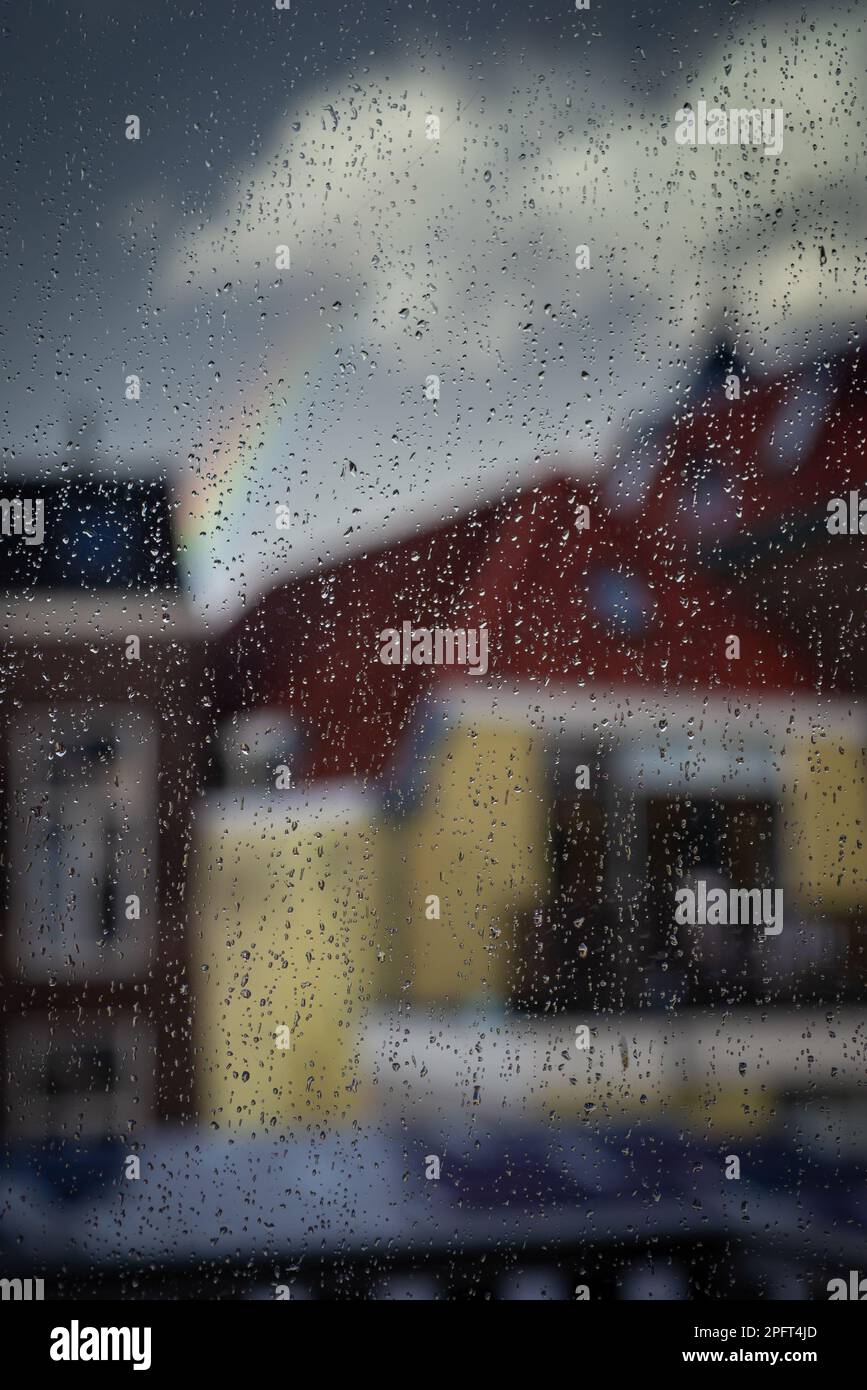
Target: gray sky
x=409 y=257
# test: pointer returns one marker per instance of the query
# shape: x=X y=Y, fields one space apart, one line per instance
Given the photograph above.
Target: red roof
x=647 y=595
x=609 y=606
x=310 y=645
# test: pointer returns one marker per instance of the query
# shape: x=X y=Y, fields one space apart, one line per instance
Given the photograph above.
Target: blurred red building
x=710 y=524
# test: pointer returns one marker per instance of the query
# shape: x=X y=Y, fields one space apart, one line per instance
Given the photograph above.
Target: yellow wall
x=308 y=918
x=285 y=922
x=478 y=842
x=825 y=823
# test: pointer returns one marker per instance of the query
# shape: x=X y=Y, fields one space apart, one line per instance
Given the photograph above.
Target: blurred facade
x=101 y=740
x=274 y=889
x=392 y=862
x=493 y=887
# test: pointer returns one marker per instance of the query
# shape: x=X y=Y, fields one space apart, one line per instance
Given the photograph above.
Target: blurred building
x=527 y=830
x=101 y=740
x=286 y=943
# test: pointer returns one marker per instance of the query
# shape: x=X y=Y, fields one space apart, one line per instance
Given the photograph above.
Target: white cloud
x=457 y=257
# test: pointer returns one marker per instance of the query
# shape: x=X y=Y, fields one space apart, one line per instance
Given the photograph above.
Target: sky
x=304 y=386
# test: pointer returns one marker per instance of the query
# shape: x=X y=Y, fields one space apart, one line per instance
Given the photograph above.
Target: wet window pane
x=432 y=559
